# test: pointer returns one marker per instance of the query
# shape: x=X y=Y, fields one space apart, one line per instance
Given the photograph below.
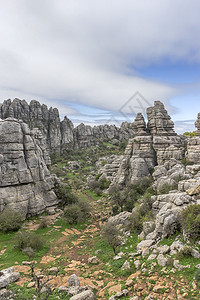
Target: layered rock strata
x=166 y=143
x=61 y=135
x=25 y=181
x=154 y=144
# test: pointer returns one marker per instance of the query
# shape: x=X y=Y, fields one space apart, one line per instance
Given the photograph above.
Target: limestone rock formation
x=139 y=156
x=61 y=135
x=166 y=143
x=25 y=181
x=153 y=144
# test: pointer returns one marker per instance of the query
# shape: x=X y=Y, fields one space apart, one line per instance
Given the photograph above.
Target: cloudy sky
x=102 y=61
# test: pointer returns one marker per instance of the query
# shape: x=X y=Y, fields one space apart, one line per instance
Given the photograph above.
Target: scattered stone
x=93 y=260
x=74 y=284
x=144 y=244
x=63 y=289
x=137 y=264
x=145 y=252
x=152 y=256
x=195 y=253
x=86 y=295
x=31 y=284
x=163 y=249
x=5 y=294
x=162 y=261
x=126 y=266
x=118 y=256
x=8 y=276
x=53 y=270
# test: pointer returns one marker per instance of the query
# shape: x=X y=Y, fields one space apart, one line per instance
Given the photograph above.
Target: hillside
x=124 y=216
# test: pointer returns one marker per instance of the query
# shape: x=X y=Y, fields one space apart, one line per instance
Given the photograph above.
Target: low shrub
x=75 y=213
x=141 y=214
x=43 y=223
x=65 y=195
x=112 y=235
x=10 y=220
x=166 y=188
x=190 y=222
x=25 y=239
x=29 y=252
x=186 y=252
x=197 y=276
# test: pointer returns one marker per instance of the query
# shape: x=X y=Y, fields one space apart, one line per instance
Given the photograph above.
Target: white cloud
x=86 y=51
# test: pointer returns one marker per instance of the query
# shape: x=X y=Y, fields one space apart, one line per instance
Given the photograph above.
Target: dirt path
x=71 y=253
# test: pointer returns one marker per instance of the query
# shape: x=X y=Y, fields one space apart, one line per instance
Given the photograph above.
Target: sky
x=102 y=61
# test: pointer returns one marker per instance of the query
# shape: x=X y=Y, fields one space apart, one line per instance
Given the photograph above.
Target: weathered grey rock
x=176 y=246
x=61 y=135
x=126 y=266
x=73 y=281
x=73 y=284
x=26 y=184
x=163 y=249
x=93 y=260
x=6 y=294
x=121 y=219
x=123 y=293
x=62 y=289
x=137 y=263
x=86 y=295
x=152 y=256
x=144 y=245
x=166 y=143
x=118 y=256
x=8 y=276
x=162 y=261
x=53 y=270
x=195 y=253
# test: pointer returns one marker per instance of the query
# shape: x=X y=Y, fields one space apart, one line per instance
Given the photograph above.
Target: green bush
x=141 y=214
x=72 y=213
x=75 y=213
x=65 y=195
x=111 y=235
x=10 y=220
x=166 y=188
x=190 y=134
x=43 y=223
x=197 y=275
x=26 y=239
x=190 y=222
x=186 y=252
x=29 y=252
x=186 y=162
x=126 y=198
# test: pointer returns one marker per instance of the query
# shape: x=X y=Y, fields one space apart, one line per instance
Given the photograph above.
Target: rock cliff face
x=61 y=135
x=25 y=181
x=153 y=144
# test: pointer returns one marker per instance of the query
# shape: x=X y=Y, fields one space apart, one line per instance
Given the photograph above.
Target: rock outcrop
x=25 y=181
x=166 y=143
x=61 y=135
x=153 y=144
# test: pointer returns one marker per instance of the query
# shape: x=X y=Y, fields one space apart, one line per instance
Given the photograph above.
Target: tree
x=111 y=235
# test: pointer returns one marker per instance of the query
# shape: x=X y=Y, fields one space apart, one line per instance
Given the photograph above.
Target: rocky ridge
x=25 y=181
x=59 y=134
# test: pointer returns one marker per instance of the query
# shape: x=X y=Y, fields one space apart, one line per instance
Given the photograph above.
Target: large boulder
x=8 y=276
